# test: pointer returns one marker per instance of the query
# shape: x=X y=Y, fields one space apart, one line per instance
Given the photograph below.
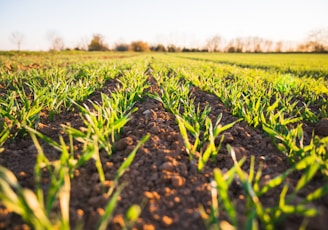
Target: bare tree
x=57 y=43
x=83 y=44
x=17 y=38
x=267 y=45
x=239 y=44
x=214 y=43
x=317 y=40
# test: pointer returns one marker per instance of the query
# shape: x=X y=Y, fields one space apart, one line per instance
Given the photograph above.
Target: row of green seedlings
x=257 y=215
x=309 y=65
x=52 y=90
x=103 y=123
x=198 y=131
x=261 y=100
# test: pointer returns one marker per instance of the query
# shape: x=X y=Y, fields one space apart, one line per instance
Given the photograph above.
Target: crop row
x=278 y=103
x=259 y=98
x=29 y=93
x=309 y=65
x=279 y=106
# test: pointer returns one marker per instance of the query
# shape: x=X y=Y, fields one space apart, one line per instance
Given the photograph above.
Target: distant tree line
x=316 y=41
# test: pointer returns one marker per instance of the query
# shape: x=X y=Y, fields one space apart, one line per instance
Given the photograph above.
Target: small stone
x=22 y=174
x=146 y=112
x=153 y=167
x=177 y=199
x=148 y=227
x=100 y=211
x=263 y=158
x=156 y=195
x=321 y=128
x=80 y=212
x=156 y=216
x=178 y=181
x=167 y=221
x=152 y=195
x=109 y=165
x=149 y=195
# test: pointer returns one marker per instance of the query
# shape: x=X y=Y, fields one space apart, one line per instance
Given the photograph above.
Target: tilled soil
x=161 y=177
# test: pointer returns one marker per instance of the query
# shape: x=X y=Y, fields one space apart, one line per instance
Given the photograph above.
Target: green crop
x=279 y=94
x=258 y=215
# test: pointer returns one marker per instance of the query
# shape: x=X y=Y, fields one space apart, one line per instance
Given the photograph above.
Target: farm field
x=108 y=140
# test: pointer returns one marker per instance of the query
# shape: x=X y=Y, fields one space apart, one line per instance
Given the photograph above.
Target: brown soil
x=161 y=176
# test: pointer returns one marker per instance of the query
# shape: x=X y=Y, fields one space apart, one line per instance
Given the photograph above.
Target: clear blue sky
x=183 y=22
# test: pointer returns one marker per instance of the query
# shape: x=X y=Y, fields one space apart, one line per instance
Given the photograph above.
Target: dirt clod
x=178 y=181
x=167 y=166
x=123 y=143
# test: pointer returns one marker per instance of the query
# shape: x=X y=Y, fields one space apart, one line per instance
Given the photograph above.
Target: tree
x=214 y=43
x=122 y=47
x=173 y=48
x=158 y=48
x=236 y=45
x=279 y=46
x=317 y=41
x=17 y=38
x=97 y=44
x=58 y=44
x=139 y=46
